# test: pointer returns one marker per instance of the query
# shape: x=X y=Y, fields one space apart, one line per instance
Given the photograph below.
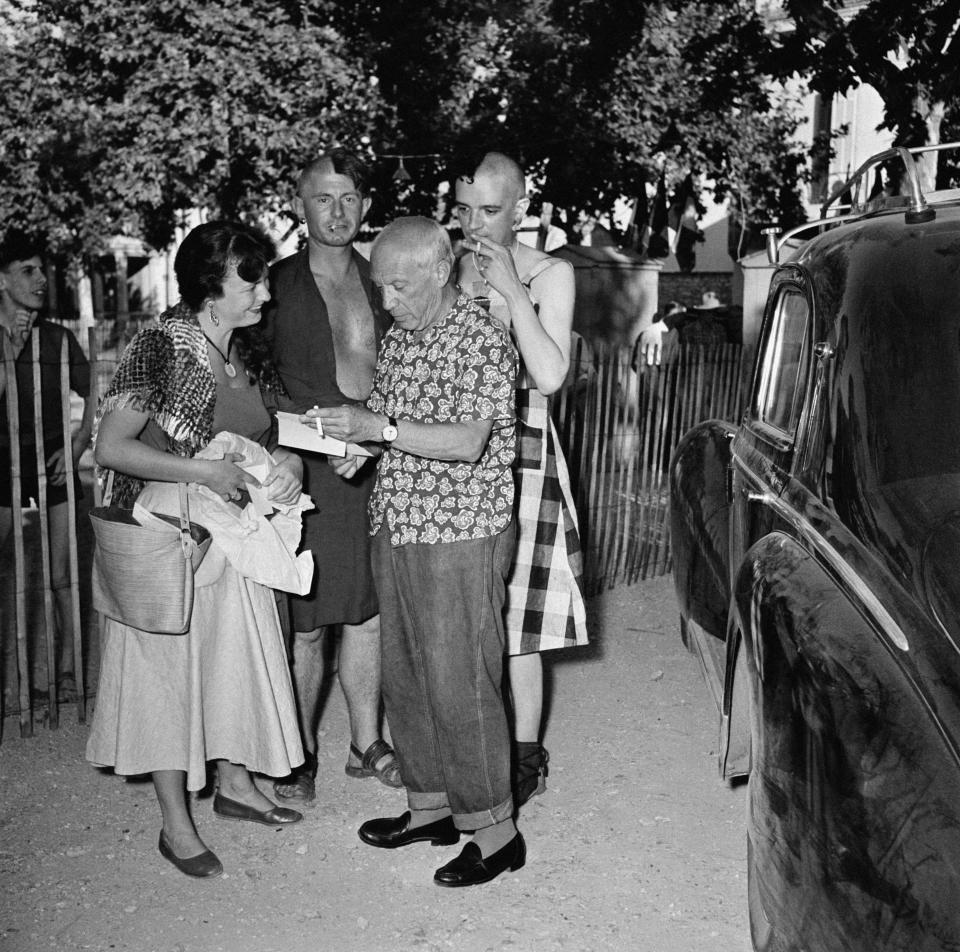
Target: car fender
x=854 y=799
x=699 y=524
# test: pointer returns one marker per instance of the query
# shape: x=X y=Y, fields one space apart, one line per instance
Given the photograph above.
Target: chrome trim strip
x=829 y=554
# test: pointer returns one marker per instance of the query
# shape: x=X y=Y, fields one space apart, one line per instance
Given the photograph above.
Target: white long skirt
x=221 y=691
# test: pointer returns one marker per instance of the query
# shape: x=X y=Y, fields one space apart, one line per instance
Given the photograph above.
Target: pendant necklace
x=228 y=368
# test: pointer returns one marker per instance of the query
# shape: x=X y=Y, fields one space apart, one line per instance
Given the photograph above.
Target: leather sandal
x=379 y=751
x=301 y=784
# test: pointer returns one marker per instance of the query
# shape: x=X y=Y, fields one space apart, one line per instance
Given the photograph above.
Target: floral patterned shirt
x=463 y=367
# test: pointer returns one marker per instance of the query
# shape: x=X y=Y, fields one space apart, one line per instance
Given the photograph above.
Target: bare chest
x=354 y=336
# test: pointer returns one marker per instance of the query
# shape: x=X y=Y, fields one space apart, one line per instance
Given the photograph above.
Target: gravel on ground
x=635 y=845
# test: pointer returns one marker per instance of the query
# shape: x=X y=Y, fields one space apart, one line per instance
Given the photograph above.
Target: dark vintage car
x=816 y=552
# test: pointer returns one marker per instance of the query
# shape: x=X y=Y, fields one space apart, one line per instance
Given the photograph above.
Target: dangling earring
x=213 y=317
x=303 y=221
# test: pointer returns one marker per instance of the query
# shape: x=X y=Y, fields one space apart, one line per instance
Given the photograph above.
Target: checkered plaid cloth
x=544 y=607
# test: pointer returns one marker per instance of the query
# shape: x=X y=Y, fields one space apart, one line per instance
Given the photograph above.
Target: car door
x=763 y=450
x=762 y=458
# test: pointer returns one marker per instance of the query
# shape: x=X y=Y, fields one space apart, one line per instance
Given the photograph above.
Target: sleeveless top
x=544 y=605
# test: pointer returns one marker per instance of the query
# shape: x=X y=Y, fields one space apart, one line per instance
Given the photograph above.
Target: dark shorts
x=29 y=485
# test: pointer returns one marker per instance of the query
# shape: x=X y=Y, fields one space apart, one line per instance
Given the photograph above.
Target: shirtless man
x=325 y=324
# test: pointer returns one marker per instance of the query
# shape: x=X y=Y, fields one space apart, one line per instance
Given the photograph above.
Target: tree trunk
x=932 y=115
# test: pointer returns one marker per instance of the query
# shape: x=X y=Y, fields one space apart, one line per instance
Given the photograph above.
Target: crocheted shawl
x=165 y=372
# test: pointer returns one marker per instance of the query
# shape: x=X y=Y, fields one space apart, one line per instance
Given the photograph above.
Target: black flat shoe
x=471 y=869
x=391 y=832
x=231 y=810
x=203 y=865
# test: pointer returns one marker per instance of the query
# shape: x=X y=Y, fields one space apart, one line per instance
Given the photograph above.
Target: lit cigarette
x=319 y=423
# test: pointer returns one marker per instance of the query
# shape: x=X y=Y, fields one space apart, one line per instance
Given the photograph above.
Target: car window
x=779 y=391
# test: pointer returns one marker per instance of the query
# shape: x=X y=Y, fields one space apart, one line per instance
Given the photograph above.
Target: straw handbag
x=142 y=576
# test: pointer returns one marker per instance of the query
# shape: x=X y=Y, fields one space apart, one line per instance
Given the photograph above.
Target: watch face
x=389 y=433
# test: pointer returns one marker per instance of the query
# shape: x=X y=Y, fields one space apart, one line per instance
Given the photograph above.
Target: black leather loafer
x=392 y=832
x=471 y=869
x=231 y=810
x=203 y=865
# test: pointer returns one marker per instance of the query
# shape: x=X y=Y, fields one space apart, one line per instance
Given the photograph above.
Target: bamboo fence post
x=617 y=473
x=609 y=457
x=19 y=555
x=729 y=389
x=595 y=461
x=607 y=462
x=74 y=560
x=653 y=374
x=632 y=429
x=716 y=380
x=664 y=412
x=48 y=614
x=95 y=368
x=571 y=398
x=631 y=449
x=724 y=386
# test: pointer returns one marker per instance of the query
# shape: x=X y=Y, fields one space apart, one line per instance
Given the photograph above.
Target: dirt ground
x=636 y=844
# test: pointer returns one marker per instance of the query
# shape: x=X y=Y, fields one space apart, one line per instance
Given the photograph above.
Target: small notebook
x=301 y=436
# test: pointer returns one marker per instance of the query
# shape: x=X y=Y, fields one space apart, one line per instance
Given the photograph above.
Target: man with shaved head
x=441 y=518
x=325 y=324
x=532 y=295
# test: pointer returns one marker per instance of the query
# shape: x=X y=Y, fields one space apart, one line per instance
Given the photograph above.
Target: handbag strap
x=186 y=540
x=108 y=489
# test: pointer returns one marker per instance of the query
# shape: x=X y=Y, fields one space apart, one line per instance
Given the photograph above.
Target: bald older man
x=442 y=405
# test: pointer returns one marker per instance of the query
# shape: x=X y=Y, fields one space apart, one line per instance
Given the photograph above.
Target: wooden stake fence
x=19 y=553
x=23 y=635
x=618 y=427
x=73 y=556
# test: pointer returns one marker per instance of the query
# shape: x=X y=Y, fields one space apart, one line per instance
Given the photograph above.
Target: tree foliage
x=908 y=50
x=117 y=117
x=582 y=92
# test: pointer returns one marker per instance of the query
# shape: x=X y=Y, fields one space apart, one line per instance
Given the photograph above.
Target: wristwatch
x=390 y=431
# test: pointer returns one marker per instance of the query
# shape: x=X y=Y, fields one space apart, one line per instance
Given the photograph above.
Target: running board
x=711 y=653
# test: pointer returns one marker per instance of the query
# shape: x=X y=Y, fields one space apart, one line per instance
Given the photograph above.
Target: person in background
x=705 y=323
x=324 y=326
x=532 y=295
x=441 y=515
x=23 y=285
x=167 y=704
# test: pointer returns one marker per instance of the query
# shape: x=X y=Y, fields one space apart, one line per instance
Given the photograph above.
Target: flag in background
x=638 y=230
x=683 y=210
x=658 y=245
x=684 y=214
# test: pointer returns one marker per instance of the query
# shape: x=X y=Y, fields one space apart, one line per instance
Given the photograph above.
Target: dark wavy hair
x=206 y=253
x=19 y=246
